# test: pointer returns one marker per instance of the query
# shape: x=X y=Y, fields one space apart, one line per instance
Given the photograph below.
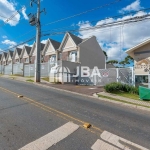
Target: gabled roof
x=54 y=43
x=28 y=49
x=10 y=53
x=137 y=46
x=18 y=50
x=75 y=38
x=42 y=46
x=34 y=45
x=32 y=48
x=5 y=54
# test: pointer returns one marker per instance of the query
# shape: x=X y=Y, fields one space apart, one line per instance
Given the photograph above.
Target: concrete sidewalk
x=128 y=100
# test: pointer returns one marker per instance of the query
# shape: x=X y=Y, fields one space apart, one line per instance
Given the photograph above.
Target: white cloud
x=44 y=41
x=4 y=37
x=24 y=14
x=132 y=7
x=8 y=42
x=115 y=40
x=7 y=9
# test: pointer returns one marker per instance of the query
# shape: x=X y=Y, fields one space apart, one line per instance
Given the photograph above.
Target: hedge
x=115 y=87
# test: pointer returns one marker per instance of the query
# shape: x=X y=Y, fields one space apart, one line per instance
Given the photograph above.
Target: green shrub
x=115 y=87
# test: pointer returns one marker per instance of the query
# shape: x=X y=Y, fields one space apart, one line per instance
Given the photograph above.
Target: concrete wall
x=91 y=54
x=71 y=65
x=110 y=66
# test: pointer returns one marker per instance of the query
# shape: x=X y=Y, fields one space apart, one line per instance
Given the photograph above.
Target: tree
x=123 y=63
x=112 y=62
x=128 y=60
x=105 y=55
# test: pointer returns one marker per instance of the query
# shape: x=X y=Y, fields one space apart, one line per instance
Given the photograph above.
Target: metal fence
x=99 y=78
x=18 y=69
x=29 y=69
x=1 y=69
x=122 y=75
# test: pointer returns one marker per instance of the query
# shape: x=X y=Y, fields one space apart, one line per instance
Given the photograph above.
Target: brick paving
x=87 y=90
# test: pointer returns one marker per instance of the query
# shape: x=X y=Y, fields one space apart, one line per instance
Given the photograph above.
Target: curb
x=95 y=96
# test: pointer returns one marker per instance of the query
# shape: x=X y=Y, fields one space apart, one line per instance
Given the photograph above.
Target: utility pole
x=38 y=46
x=35 y=20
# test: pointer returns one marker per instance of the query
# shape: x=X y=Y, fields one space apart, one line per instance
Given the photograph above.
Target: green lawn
x=29 y=80
x=128 y=95
x=46 y=79
x=18 y=75
x=115 y=99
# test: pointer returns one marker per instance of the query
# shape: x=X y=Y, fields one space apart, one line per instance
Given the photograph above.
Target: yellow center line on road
x=53 y=111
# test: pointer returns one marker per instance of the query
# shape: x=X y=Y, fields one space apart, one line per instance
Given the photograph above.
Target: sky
x=114 y=40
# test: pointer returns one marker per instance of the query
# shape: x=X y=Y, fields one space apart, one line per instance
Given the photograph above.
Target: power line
x=7 y=17
x=22 y=43
x=127 y=21
x=116 y=23
x=99 y=7
x=11 y=17
x=113 y=17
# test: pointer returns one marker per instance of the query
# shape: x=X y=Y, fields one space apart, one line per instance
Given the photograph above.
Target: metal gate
x=29 y=70
x=106 y=76
x=125 y=75
x=18 y=69
x=8 y=69
x=44 y=69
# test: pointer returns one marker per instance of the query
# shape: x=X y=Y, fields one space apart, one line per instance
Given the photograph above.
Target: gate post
x=23 y=69
x=117 y=74
x=133 y=77
x=12 y=68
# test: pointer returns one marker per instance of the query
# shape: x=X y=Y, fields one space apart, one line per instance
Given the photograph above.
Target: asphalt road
x=23 y=120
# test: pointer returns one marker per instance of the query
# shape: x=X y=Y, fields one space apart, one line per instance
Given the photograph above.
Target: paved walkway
x=137 y=102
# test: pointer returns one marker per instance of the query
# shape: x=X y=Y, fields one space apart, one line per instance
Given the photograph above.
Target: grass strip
x=29 y=80
x=115 y=99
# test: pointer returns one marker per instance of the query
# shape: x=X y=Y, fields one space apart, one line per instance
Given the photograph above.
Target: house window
x=52 y=59
x=73 y=56
x=26 y=60
x=141 y=80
